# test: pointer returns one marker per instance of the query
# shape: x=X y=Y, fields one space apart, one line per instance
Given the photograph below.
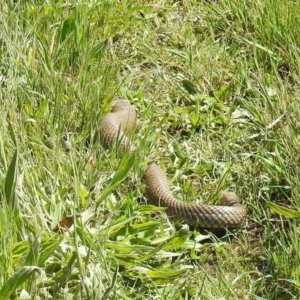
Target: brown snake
x=115 y=127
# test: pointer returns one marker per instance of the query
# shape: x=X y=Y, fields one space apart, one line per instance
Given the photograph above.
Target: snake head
x=229 y=199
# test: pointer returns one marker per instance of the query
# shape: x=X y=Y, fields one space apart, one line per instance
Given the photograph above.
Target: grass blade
x=10 y=183
x=121 y=174
x=97 y=52
x=16 y=280
x=178 y=239
x=67 y=29
x=284 y=211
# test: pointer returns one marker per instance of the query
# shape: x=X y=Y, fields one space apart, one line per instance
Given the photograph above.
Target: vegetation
x=216 y=87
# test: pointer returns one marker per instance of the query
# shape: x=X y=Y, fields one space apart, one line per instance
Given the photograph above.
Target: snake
x=116 y=127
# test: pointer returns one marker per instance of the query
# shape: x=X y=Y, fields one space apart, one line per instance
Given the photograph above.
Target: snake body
x=115 y=127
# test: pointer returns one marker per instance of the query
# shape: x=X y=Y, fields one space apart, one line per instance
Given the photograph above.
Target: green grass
x=216 y=87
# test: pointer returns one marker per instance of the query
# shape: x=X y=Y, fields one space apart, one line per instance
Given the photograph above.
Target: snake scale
x=116 y=126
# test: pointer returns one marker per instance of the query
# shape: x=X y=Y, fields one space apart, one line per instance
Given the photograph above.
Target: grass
x=216 y=86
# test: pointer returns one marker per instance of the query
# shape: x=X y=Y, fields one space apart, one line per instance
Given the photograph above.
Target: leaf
x=41 y=109
x=178 y=239
x=16 y=280
x=67 y=28
x=151 y=253
x=272 y=164
x=190 y=86
x=12 y=133
x=19 y=251
x=48 y=246
x=178 y=151
x=128 y=249
x=97 y=51
x=110 y=288
x=118 y=225
x=155 y=274
x=44 y=51
x=121 y=174
x=284 y=211
x=165 y=274
x=222 y=92
x=63 y=275
x=259 y=46
x=10 y=183
x=149 y=209
x=33 y=254
x=83 y=193
x=145 y=225
x=85 y=238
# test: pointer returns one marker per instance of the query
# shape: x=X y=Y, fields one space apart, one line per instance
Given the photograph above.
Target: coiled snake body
x=115 y=127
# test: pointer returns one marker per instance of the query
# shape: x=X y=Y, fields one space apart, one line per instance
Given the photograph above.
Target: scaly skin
x=203 y=216
x=115 y=126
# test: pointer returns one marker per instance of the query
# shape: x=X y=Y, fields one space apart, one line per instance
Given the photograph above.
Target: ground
x=216 y=88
